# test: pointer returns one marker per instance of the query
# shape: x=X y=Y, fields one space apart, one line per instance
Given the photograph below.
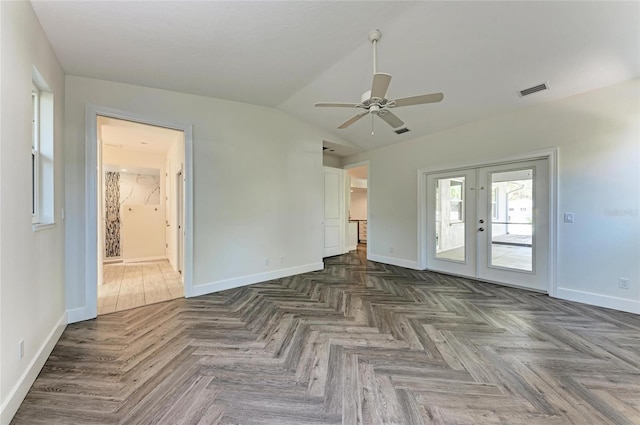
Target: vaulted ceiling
x=291 y=54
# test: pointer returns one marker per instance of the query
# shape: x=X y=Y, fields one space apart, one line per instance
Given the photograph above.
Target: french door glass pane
x=450 y=223
x=512 y=219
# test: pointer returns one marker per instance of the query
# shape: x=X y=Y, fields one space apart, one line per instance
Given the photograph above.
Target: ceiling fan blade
x=336 y=105
x=380 y=85
x=418 y=100
x=352 y=120
x=391 y=119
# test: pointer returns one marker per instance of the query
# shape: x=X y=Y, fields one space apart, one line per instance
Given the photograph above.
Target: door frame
x=550 y=154
x=91 y=198
x=346 y=167
x=180 y=220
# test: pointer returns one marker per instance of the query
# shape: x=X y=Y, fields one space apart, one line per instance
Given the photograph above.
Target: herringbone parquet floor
x=357 y=343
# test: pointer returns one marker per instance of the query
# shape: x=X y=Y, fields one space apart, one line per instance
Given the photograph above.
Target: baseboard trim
x=76 y=315
x=621 y=304
x=141 y=259
x=393 y=261
x=12 y=402
x=221 y=285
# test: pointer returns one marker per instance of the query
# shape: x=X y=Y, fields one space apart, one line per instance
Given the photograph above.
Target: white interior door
x=491 y=223
x=333 y=212
x=451 y=244
x=513 y=214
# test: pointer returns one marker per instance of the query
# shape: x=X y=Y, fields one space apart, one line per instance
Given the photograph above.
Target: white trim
x=19 y=391
x=76 y=315
x=35 y=152
x=91 y=217
x=236 y=282
x=407 y=264
x=37 y=227
x=143 y=259
x=607 y=301
x=550 y=154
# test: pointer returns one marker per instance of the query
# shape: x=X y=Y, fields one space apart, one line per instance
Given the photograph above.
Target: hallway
x=137 y=284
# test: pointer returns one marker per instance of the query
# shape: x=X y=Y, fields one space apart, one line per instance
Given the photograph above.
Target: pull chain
x=372 y=124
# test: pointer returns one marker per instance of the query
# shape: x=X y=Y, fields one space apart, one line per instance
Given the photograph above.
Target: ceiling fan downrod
x=374 y=37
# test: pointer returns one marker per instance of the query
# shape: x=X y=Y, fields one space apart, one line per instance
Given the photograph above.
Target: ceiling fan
x=375 y=101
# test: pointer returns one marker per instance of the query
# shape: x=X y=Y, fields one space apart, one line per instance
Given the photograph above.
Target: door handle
x=481 y=229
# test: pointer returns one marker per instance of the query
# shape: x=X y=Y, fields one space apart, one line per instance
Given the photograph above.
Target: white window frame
x=35 y=156
x=42 y=151
x=495 y=203
x=459 y=202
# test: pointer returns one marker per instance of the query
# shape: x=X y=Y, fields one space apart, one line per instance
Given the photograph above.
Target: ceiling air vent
x=401 y=130
x=532 y=90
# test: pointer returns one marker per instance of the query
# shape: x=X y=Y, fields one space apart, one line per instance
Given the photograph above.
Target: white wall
x=31 y=263
x=358 y=207
x=598 y=136
x=257 y=184
x=331 y=161
x=129 y=158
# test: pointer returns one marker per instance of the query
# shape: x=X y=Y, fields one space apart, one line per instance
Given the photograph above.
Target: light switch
x=568 y=217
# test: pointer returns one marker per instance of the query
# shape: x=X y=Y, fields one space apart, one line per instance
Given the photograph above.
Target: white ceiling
x=136 y=136
x=291 y=54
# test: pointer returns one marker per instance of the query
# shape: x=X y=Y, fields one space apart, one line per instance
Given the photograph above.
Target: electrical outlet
x=391 y=250
x=281 y=260
x=568 y=217
x=623 y=282
x=21 y=349
x=266 y=262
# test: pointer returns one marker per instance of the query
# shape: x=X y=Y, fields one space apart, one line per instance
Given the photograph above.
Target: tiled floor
x=133 y=285
x=508 y=256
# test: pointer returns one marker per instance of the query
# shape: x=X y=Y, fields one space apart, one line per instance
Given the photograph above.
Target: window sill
x=42 y=226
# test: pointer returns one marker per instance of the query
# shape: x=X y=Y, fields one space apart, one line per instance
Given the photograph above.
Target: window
x=494 y=203
x=42 y=180
x=35 y=154
x=456 y=212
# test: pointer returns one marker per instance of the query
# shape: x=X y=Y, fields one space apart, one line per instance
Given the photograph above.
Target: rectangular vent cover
x=534 y=89
x=401 y=130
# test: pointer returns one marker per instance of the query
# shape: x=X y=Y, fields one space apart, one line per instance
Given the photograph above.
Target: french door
x=491 y=223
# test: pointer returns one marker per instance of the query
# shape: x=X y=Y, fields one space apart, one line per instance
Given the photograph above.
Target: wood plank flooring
x=356 y=343
x=131 y=285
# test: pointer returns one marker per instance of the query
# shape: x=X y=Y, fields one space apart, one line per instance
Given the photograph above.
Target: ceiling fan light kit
x=375 y=101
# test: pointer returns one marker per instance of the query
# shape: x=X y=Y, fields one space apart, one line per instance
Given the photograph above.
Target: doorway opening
x=357 y=206
x=140 y=214
x=491 y=222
